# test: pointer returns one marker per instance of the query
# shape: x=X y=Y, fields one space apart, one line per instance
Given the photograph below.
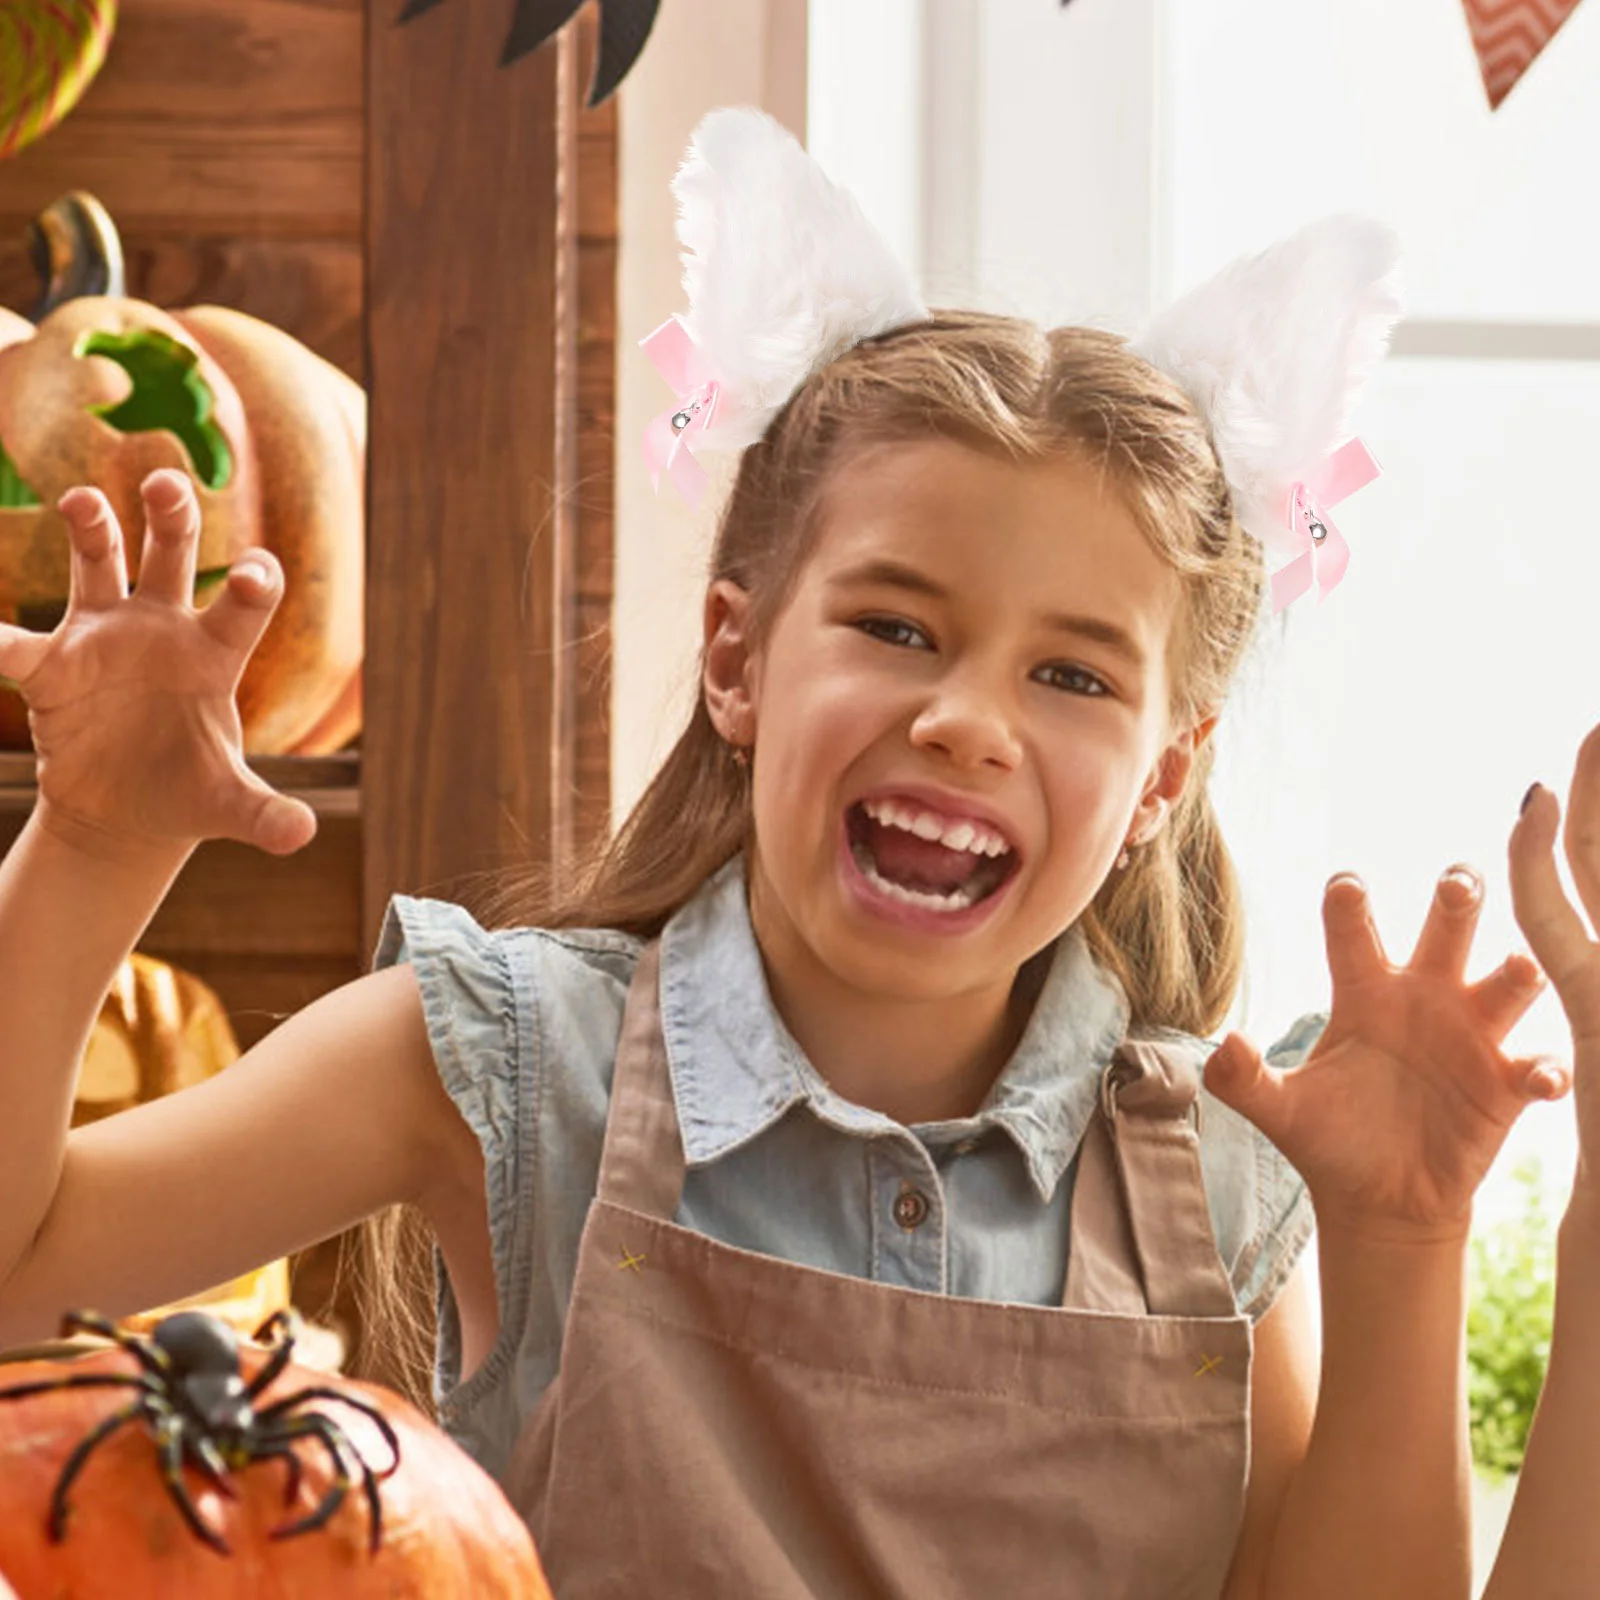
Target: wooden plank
x=231 y=897
x=597 y=173
x=241 y=120
x=330 y=785
x=594 y=473
x=227 y=178
x=462 y=465
x=234 y=899
x=311 y=288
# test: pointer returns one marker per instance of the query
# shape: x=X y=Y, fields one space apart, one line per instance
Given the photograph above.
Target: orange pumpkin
x=107 y=389
x=447 y=1530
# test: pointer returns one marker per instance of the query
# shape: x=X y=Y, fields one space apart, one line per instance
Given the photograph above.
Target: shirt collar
x=736 y=1069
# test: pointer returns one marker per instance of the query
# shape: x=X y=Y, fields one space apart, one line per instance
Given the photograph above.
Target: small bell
x=682 y=419
x=1314 y=524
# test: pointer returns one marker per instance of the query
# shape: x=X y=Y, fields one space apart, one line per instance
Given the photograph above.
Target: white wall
x=702 y=54
x=1006 y=150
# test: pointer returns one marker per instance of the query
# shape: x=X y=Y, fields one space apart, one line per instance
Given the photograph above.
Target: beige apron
x=727 y=1424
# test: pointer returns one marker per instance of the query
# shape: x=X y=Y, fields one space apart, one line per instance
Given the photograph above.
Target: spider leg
x=170 y=1445
x=279 y=1446
x=288 y=1320
x=83 y=1380
x=151 y=1357
x=332 y=1439
x=329 y=1431
x=204 y=1453
x=80 y=1454
x=277 y=1409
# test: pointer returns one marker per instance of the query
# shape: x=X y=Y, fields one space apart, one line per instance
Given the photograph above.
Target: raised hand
x=1558 y=937
x=131 y=698
x=1397 y=1113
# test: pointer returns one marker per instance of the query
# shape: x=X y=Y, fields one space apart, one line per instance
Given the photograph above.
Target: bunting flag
x=1508 y=34
x=624 y=27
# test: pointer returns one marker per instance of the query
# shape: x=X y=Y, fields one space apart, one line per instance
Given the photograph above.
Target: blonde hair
x=1169 y=927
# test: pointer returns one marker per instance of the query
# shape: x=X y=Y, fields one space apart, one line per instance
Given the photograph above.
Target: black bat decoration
x=624 y=27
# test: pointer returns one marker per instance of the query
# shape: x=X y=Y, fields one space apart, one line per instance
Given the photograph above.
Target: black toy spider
x=196 y=1405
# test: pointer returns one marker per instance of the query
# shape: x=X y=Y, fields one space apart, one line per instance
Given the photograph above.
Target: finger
x=1541 y=1077
x=21 y=651
x=1355 y=952
x=1446 y=938
x=242 y=609
x=1503 y=998
x=1581 y=837
x=1240 y=1079
x=171 y=537
x=99 y=571
x=1555 y=932
x=276 y=823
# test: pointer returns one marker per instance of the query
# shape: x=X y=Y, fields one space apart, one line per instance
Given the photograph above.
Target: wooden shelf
x=268 y=933
x=330 y=785
x=485 y=339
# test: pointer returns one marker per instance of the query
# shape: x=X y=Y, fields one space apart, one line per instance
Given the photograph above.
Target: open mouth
x=912 y=854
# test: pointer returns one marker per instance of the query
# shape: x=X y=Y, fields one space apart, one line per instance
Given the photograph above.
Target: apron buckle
x=1118 y=1076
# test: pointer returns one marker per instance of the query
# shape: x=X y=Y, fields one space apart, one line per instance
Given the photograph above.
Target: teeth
x=975 y=838
x=957 y=900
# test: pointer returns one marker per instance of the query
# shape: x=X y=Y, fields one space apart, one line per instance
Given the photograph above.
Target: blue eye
x=1061 y=676
x=894 y=630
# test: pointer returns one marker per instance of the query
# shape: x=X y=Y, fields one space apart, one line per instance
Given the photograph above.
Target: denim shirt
x=524 y=1026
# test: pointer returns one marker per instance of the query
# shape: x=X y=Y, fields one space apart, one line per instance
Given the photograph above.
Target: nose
x=971 y=722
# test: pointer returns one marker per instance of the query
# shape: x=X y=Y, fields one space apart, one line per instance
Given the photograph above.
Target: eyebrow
x=893 y=574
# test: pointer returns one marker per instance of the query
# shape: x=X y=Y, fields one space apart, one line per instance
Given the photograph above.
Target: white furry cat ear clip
x=783 y=273
x=1275 y=351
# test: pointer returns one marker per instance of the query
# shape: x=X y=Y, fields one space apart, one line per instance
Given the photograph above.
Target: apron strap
x=1141 y=1236
x=641 y=1161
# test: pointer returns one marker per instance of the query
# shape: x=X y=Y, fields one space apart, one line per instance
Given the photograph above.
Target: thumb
x=1242 y=1081
x=1542 y=1077
x=271 y=821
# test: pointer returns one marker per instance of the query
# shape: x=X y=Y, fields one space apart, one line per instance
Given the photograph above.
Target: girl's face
x=958 y=719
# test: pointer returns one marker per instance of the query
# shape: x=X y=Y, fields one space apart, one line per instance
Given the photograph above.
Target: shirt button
x=910 y=1208
x=965 y=1147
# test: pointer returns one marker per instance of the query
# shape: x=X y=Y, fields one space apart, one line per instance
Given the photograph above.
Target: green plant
x=1510 y=1311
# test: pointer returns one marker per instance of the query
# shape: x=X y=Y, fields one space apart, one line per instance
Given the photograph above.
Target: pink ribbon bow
x=666 y=439
x=1324 y=554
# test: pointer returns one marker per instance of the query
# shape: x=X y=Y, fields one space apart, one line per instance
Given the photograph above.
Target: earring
x=1123 y=859
x=741 y=756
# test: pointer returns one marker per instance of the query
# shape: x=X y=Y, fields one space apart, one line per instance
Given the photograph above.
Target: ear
x=731 y=668
x=1166 y=782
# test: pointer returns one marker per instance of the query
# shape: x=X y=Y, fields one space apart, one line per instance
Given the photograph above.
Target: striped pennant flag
x=1508 y=34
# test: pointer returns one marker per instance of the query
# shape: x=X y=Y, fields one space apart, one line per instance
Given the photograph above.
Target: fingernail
x=1345 y=877
x=1550 y=1082
x=256 y=571
x=1533 y=789
x=1464 y=875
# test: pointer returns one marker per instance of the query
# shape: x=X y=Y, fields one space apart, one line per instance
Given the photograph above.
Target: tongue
x=915 y=863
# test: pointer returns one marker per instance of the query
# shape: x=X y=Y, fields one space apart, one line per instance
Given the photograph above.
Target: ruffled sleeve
x=479 y=1030
x=1283 y=1214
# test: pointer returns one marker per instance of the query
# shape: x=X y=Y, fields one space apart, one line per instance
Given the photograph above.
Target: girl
x=824 y=1198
